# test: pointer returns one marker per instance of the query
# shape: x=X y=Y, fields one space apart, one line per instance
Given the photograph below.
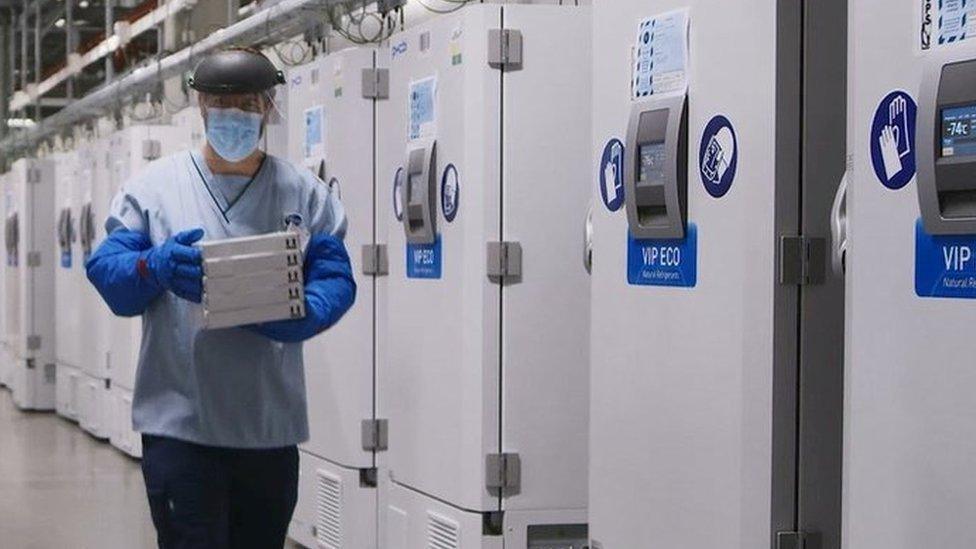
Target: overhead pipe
x=283 y=19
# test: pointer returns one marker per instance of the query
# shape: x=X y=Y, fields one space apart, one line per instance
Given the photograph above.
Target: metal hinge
x=504 y=261
x=369 y=477
x=33 y=259
x=33 y=175
x=790 y=540
x=376 y=83
x=503 y=472
x=151 y=149
x=802 y=260
x=33 y=342
x=375 y=260
x=375 y=435
x=505 y=49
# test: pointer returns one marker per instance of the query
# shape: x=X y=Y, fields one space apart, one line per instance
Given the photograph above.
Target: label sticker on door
x=424 y=260
x=314 y=146
x=952 y=21
x=663 y=262
x=398 y=180
x=893 y=140
x=945 y=266
x=450 y=193
x=612 y=175
x=718 y=156
x=661 y=55
x=423 y=104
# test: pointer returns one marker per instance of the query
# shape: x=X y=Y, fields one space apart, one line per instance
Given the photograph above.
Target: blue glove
x=176 y=265
x=330 y=291
x=113 y=270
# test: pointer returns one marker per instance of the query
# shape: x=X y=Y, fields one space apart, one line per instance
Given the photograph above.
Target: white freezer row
x=745 y=390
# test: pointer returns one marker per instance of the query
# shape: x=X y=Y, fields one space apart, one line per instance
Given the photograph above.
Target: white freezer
x=415 y=520
x=192 y=133
x=699 y=339
x=909 y=404
x=67 y=391
x=94 y=405
x=6 y=361
x=129 y=151
x=331 y=132
x=29 y=283
x=121 y=434
x=335 y=508
x=474 y=368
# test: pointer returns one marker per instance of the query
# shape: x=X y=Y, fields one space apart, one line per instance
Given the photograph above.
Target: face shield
x=237 y=100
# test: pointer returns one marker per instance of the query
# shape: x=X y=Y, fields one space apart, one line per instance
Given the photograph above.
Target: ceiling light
x=59 y=23
x=20 y=123
x=83 y=4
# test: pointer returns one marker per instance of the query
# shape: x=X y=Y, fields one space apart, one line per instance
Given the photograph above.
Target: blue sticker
x=66 y=259
x=612 y=175
x=450 y=193
x=424 y=260
x=893 y=140
x=945 y=266
x=398 y=49
x=398 y=194
x=718 y=156
x=664 y=262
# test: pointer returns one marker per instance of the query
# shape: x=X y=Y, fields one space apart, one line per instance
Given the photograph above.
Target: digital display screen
x=652 y=159
x=959 y=131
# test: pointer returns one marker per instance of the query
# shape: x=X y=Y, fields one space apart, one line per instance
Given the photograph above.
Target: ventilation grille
x=328 y=506
x=442 y=533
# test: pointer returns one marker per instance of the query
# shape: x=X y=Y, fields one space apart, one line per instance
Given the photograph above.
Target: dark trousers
x=219 y=498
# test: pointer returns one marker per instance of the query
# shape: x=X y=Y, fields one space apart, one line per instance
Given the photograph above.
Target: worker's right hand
x=177 y=266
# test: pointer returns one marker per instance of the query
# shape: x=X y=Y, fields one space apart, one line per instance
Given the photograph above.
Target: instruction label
x=893 y=140
x=423 y=104
x=663 y=262
x=946 y=22
x=424 y=260
x=945 y=266
x=314 y=146
x=660 y=63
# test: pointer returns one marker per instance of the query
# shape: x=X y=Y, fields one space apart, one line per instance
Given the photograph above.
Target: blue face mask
x=233 y=133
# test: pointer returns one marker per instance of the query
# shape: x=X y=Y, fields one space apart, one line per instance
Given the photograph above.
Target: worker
x=220 y=411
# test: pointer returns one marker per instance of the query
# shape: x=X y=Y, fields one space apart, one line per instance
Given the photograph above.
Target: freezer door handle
x=838 y=228
x=588 y=240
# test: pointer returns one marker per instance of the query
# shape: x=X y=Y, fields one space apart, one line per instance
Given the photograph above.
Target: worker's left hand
x=176 y=265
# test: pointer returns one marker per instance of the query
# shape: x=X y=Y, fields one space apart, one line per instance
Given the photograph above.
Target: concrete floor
x=60 y=487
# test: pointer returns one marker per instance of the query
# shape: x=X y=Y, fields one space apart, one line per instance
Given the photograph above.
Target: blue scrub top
x=232 y=388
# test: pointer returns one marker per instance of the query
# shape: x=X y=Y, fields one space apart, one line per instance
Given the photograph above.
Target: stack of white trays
x=253 y=279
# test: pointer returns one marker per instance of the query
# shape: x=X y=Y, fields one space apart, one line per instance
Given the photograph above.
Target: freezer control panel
x=947 y=147
x=656 y=168
x=420 y=194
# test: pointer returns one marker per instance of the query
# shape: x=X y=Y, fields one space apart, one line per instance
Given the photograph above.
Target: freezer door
x=339 y=364
x=128 y=159
x=546 y=311
x=440 y=381
x=910 y=377
x=683 y=380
